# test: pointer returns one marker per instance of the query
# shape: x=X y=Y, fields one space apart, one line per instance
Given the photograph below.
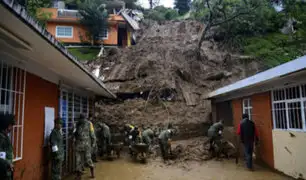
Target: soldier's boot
x=92 y=172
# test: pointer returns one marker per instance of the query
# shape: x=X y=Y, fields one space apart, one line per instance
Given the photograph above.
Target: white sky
x=166 y=3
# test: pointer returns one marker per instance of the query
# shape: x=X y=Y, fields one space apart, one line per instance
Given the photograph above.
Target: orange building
x=40 y=80
x=65 y=26
x=276 y=101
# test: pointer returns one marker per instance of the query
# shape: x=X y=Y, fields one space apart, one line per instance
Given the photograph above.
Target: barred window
x=247 y=107
x=288 y=108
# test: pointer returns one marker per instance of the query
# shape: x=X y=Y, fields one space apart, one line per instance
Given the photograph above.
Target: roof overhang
x=290 y=72
x=40 y=53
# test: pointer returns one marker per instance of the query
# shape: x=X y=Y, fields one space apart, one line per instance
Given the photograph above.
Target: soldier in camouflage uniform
x=105 y=138
x=6 y=149
x=57 y=149
x=84 y=139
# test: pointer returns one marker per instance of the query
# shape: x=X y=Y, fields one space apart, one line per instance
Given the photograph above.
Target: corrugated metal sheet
x=134 y=24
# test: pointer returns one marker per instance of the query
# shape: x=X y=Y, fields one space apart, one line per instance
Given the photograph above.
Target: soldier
x=147 y=136
x=84 y=139
x=94 y=147
x=215 y=134
x=7 y=122
x=57 y=148
x=164 y=142
x=105 y=137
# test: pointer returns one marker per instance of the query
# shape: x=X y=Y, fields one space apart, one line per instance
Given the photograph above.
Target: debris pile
x=162 y=80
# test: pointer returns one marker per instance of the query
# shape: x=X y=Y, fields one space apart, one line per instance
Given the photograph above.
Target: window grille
x=12 y=94
x=71 y=105
x=247 y=107
x=288 y=108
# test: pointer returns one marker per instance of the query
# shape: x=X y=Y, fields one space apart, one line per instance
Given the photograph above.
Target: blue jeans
x=248 y=154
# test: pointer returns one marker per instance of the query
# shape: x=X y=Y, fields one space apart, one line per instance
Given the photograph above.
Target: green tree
x=33 y=6
x=183 y=6
x=161 y=13
x=94 y=18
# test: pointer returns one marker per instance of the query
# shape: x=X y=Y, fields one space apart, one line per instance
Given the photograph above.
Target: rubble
x=161 y=79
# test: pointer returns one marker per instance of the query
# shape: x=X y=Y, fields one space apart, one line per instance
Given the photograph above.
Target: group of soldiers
x=86 y=148
x=85 y=144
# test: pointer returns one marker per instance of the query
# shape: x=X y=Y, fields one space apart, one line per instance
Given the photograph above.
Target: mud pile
x=161 y=79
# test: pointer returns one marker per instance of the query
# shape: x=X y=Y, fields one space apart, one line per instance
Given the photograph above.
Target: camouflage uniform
x=56 y=142
x=84 y=137
x=147 y=136
x=6 y=152
x=215 y=137
x=105 y=138
x=163 y=138
x=94 y=143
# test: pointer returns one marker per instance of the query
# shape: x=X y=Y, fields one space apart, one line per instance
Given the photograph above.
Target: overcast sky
x=166 y=3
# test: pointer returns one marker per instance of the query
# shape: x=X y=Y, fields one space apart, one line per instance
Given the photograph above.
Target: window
x=289 y=108
x=247 y=107
x=104 y=34
x=64 y=31
x=12 y=88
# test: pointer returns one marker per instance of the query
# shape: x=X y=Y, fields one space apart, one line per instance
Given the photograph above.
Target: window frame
x=301 y=100
x=249 y=107
x=60 y=36
x=107 y=32
x=16 y=104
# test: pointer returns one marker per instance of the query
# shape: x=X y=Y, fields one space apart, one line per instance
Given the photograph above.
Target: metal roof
x=268 y=75
x=134 y=24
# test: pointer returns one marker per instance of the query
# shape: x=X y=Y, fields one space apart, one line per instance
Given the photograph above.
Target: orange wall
x=80 y=31
x=262 y=117
x=39 y=94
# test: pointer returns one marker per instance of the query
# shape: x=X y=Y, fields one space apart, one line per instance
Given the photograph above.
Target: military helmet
x=58 y=121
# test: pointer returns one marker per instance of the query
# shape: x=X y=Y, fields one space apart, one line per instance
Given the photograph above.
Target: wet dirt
x=125 y=169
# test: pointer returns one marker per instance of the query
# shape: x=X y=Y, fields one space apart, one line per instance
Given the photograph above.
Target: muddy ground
x=155 y=170
x=191 y=165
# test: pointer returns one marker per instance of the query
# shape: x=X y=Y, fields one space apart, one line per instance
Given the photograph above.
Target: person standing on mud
x=7 y=122
x=84 y=137
x=105 y=138
x=57 y=149
x=215 y=133
x=164 y=139
x=248 y=135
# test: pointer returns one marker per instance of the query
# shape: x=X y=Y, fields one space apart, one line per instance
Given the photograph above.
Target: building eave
x=262 y=78
x=20 y=13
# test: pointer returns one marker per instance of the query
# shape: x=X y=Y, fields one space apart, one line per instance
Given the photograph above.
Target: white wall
x=290 y=152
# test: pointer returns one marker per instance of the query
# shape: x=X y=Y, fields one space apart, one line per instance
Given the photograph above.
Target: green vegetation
x=94 y=18
x=84 y=54
x=255 y=27
x=183 y=6
x=161 y=13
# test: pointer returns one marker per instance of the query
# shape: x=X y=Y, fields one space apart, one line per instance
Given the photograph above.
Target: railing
x=65 y=13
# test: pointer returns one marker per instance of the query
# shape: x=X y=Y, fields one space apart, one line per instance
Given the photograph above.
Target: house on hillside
x=40 y=80
x=276 y=101
x=65 y=26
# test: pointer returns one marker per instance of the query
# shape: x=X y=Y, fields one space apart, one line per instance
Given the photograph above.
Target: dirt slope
x=161 y=80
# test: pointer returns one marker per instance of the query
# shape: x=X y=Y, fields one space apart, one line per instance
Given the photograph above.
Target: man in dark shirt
x=248 y=135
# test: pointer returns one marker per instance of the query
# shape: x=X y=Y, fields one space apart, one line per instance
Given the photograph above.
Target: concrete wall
x=289 y=152
x=35 y=162
x=262 y=116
